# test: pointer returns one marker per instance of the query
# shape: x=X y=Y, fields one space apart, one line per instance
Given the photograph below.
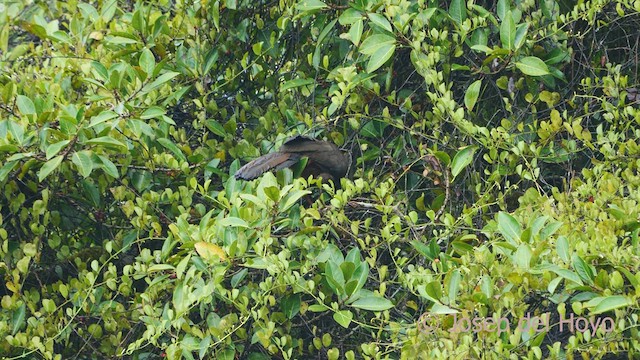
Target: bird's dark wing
x=277 y=160
x=325 y=159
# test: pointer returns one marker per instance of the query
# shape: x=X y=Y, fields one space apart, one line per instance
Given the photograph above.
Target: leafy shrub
x=495 y=180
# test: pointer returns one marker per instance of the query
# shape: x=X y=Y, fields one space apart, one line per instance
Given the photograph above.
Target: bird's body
x=325 y=160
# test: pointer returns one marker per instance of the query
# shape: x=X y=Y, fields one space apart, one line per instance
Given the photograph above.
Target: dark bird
x=325 y=160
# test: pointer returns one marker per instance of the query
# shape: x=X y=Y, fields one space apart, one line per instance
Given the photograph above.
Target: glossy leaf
x=25 y=105
x=310 y=5
x=49 y=166
x=350 y=16
x=343 y=318
x=169 y=145
x=18 y=318
x=373 y=43
x=509 y=227
x=373 y=303
x=508 y=32
x=458 y=11
x=54 y=149
x=532 y=66
x=380 y=21
x=380 y=57
x=83 y=162
x=611 y=303
x=462 y=159
x=209 y=251
x=472 y=94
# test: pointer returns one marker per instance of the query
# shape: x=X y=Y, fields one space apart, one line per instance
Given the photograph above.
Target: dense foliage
x=495 y=179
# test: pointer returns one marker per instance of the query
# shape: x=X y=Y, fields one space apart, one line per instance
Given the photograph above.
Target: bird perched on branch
x=325 y=160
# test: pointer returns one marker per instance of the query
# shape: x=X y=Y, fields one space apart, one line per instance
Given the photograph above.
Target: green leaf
x=502 y=8
x=373 y=43
x=16 y=130
x=537 y=224
x=508 y=32
x=532 y=66
x=373 y=303
x=521 y=35
x=153 y=112
x=216 y=127
x=141 y=179
x=359 y=278
x=109 y=167
x=232 y=221
x=458 y=11
x=355 y=32
x=343 y=317
x=522 y=256
x=147 y=61
x=257 y=48
x=296 y=83
x=569 y=275
x=310 y=5
x=380 y=57
x=83 y=162
x=335 y=278
x=139 y=127
x=48 y=167
x=562 y=247
x=482 y=48
x=160 y=80
x=20 y=156
x=630 y=276
x=138 y=21
x=454 y=286
x=25 y=105
x=179 y=299
x=432 y=291
x=272 y=192
x=292 y=198
x=169 y=145
x=108 y=142
x=350 y=16
x=6 y=169
x=613 y=302
x=48 y=305
x=54 y=149
x=509 y=227
x=550 y=229
x=553 y=284
x=323 y=34
x=18 y=318
x=209 y=252
x=258 y=202
x=238 y=277
x=430 y=251
x=557 y=55
x=462 y=159
x=472 y=94
x=211 y=59
x=380 y=21
x=291 y=305
x=119 y=40
x=100 y=71
x=373 y=129
x=102 y=117
x=317 y=307
x=583 y=269
x=440 y=309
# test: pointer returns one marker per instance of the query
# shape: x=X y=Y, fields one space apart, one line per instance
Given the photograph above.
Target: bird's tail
x=264 y=163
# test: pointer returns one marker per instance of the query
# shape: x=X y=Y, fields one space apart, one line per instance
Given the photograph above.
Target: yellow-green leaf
x=49 y=166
